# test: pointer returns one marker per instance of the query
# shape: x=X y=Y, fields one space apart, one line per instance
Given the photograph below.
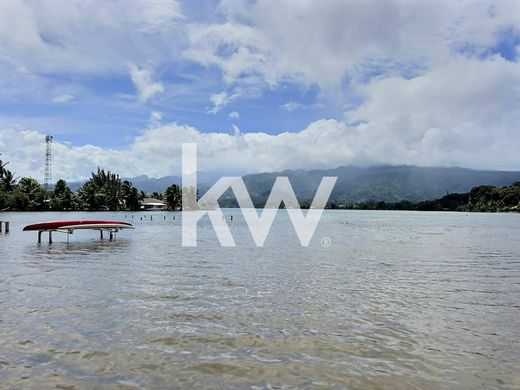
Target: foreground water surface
x=378 y=300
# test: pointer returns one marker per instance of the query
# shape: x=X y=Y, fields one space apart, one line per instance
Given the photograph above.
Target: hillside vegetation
x=479 y=199
x=384 y=183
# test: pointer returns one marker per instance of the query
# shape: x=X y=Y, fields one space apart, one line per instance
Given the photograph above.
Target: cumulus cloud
x=142 y=79
x=236 y=130
x=63 y=98
x=157 y=151
x=423 y=120
x=274 y=41
x=460 y=113
x=422 y=82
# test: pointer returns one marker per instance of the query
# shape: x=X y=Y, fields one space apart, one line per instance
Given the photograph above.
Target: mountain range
x=354 y=184
x=381 y=183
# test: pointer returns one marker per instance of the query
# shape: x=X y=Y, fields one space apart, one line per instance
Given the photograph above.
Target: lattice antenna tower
x=48 y=162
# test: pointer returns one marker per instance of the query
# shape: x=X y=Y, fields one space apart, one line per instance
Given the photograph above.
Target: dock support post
x=111 y=235
x=40 y=237
x=101 y=234
x=50 y=236
x=6 y=224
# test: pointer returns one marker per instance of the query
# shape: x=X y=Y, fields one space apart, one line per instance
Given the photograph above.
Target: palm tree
x=157 y=195
x=2 y=168
x=173 y=196
x=106 y=189
x=7 y=181
x=33 y=192
x=130 y=196
x=62 y=197
x=89 y=196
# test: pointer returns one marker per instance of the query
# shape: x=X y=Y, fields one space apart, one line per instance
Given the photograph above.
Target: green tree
x=4 y=200
x=106 y=189
x=62 y=198
x=157 y=195
x=131 y=196
x=2 y=168
x=173 y=197
x=89 y=196
x=29 y=195
x=7 y=185
x=7 y=181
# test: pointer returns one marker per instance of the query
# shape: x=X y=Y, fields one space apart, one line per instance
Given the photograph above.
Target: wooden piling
x=4 y=224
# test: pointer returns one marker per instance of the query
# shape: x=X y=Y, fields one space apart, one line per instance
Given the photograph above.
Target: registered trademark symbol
x=325 y=242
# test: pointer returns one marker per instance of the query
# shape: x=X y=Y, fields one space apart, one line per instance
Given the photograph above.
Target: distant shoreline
x=256 y=208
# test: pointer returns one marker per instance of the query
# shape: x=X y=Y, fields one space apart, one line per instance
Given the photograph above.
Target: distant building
x=152 y=204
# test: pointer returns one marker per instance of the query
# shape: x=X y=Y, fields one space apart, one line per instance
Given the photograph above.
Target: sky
x=261 y=85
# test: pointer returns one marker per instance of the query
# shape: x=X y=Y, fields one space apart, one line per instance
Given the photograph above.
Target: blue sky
x=262 y=85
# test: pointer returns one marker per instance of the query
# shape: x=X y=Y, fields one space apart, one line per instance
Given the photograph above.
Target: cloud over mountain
x=317 y=84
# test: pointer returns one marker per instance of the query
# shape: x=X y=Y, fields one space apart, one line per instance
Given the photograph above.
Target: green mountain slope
x=383 y=183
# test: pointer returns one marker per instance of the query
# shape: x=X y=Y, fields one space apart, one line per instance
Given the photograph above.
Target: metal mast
x=48 y=163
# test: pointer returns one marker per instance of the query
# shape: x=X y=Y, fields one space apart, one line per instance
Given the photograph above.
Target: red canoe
x=77 y=223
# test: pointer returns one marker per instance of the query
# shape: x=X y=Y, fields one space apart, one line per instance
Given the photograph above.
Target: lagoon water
x=394 y=300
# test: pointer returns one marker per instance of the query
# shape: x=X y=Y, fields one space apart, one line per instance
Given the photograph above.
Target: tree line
x=479 y=199
x=104 y=190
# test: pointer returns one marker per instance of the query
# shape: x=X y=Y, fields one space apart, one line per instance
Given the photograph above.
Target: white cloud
x=142 y=79
x=459 y=114
x=291 y=106
x=236 y=130
x=274 y=41
x=157 y=151
x=418 y=100
x=88 y=37
x=220 y=100
x=234 y=115
x=152 y=16
x=63 y=98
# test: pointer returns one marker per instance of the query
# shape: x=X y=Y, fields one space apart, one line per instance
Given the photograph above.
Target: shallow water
x=392 y=300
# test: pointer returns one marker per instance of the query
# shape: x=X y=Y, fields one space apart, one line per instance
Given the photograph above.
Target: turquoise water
x=378 y=300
